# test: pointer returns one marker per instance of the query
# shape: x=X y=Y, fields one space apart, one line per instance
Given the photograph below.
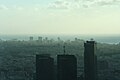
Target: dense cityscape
x=18 y=60
x=59 y=39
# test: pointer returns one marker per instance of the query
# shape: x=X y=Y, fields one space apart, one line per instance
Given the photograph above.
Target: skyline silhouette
x=18 y=58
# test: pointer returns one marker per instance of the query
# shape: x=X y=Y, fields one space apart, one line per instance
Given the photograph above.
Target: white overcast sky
x=59 y=16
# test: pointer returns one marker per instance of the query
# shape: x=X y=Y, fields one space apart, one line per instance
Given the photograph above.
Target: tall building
x=90 y=60
x=44 y=67
x=66 y=67
x=40 y=39
x=31 y=38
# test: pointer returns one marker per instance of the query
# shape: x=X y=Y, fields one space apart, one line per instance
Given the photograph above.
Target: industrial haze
x=17 y=60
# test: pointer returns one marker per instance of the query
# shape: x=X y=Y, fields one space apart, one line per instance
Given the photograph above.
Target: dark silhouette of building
x=44 y=67
x=90 y=60
x=66 y=67
x=31 y=38
x=40 y=39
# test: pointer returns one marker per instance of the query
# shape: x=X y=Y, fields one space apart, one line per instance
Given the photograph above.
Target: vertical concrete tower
x=90 y=60
x=66 y=67
x=44 y=67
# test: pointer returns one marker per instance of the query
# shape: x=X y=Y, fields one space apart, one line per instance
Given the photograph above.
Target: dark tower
x=31 y=38
x=40 y=39
x=66 y=67
x=90 y=60
x=44 y=67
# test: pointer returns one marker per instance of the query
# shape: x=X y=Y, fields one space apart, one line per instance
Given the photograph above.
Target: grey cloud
x=59 y=5
x=59 y=2
x=104 y=3
x=85 y=6
x=107 y=3
x=72 y=4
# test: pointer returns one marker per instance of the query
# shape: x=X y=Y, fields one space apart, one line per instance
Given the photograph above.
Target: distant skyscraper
x=46 y=40
x=66 y=67
x=44 y=67
x=59 y=39
x=31 y=38
x=40 y=39
x=90 y=60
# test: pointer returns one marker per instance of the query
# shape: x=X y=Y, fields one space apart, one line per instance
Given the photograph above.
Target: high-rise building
x=44 y=67
x=66 y=67
x=90 y=60
x=40 y=39
x=31 y=38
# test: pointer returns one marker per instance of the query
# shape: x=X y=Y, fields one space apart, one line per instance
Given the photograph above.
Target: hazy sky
x=60 y=16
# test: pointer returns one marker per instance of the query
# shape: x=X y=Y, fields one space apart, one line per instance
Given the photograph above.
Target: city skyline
x=59 y=17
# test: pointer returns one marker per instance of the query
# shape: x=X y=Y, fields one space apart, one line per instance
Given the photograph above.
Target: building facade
x=44 y=67
x=90 y=60
x=66 y=67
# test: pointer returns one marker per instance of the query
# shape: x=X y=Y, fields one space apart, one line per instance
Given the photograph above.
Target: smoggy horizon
x=59 y=17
